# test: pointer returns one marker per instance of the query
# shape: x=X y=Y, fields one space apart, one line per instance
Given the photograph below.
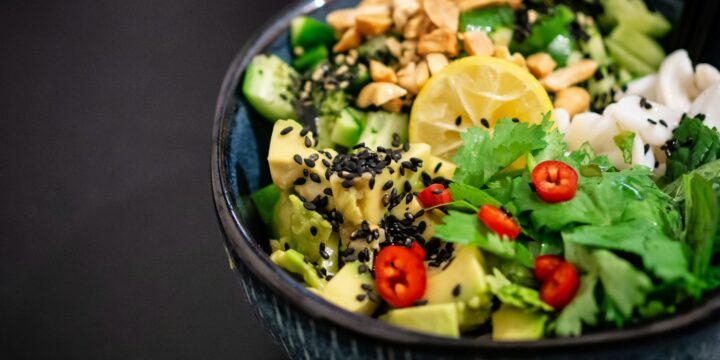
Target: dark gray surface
x=109 y=246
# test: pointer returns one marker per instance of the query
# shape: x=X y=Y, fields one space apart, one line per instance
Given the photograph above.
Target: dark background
x=109 y=247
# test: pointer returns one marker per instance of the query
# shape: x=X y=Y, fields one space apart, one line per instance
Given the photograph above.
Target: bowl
x=308 y=327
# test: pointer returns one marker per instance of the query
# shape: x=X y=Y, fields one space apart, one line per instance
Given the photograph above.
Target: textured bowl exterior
x=307 y=327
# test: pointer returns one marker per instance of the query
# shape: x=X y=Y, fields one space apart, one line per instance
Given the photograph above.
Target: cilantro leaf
x=482 y=156
x=556 y=145
x=582 y=309
x=623 y=283
x=710 y=171
x=693 y=145
x=472 y=195
x=624 y=142
x=463 y=228
x=513 y=294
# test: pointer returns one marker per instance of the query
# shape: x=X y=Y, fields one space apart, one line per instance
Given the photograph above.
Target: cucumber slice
x=308 y=33
x=265 y=200
x=627 y=60
x=638 y=44
x=636 y=15
x=347 y=129
x=381 y=127
x=310 y=58
x=267 y=87
x=594 y=46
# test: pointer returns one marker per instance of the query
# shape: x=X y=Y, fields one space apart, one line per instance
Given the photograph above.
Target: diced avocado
x=380 y=128
x=627 y=60
x=345 y=287
x=293 y=262
x=440 y=319
x=283 y=168
x=295 y=225
x=513 y=324
x=268 y=87
x=310 y=58
x=348 y=128
x=264 y=200
x=437 y=166
x=307 y=33
x=635 y=14
x=359 y=202
x=466 y=274
x=641 y=46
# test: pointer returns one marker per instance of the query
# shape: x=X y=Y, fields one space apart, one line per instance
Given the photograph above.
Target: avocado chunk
x=514 y=324
x=293 y=262
x=440 y=319
x=463 y=284
x=349 y=290
x=306 y=232
x=284 y=145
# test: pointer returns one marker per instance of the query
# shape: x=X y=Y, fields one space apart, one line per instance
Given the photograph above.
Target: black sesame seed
x=358 y=146
x=324 y=254
x=656 y=164
x=515 y=120
x=300 y=181
x=700 y=116
x=315 y=177
x=329 y=277
x=395 y=140
x=420 y=302
x=388 y=184
x=408 y=198
x=643 y=102
x=320 y=274
x=360 y=297
x=437 y=167
x=663 y=123
x=458 y=120
x=298 y=159
x=652 y=121
x=304 y=131
x=310 y=206
x=361 y=269
x=350 y=258
x=286 y=130
x=308 y=142
x=456 y=290
x=313 y=232
x=647 y=148
x=347 y=184
x=366 y=287
x=407 y=187
x=287 y=246
x=386 y=199
x=406 y=147
x=484 y=122
x=326 y=163
x=419 y=213
x=310 y=163
x=373 y=297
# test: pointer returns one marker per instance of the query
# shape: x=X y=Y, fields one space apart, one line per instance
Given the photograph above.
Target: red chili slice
x=418 y=250
x=434 y=195
x=560 y=288
x=554 y=181
x=499 y=221
x=400 y=275
x=545 y=266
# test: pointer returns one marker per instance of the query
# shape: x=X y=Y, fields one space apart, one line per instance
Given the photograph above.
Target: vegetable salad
x=509 y=168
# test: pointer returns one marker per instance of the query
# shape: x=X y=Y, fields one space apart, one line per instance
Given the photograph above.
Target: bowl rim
x=254 y=258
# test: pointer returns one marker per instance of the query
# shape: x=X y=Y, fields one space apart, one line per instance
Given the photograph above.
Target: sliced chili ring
x=400 y=275
x=434 y=195
x=554 y=181
x=499 y=221
x=545 y=266
x=559 y=290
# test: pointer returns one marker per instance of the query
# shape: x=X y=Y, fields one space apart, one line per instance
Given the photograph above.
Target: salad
x=517 y=169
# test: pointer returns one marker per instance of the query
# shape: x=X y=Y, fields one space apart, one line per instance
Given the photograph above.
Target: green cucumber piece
x=627 y=60
x=595 y=46
x=267 y=87
x=310 y=58
x=638 y=44
x=636 y=15
x=265 y=200
x=347 y=129
x=308 y=33
x=380 y=128
x=487 y=19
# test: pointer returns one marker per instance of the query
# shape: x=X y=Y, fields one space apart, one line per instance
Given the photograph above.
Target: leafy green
x=582 y=309
x=487 y=19
x=463 y=228
x=555 y=141
x=624 y=142
x=472 y=195
x=710 y=171
x=550 y=34
x=482 y=156
x=701 y=218
x=513 y=294
x=623 y=283
x=693 y=145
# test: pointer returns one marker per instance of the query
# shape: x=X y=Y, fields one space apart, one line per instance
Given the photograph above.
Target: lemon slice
x=473 y=88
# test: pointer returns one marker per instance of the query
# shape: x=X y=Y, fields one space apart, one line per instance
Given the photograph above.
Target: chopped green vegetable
x=472 y=195
x=550 y=33
x=639 y=45
x=311 y=58
x=515 y=295
x=381 y=127
x=487 y=19
x=308 y=33
x=375 y=48
x=268 y=87
x=701 y=222
x=625 y=285
x=582 y=310
x=265 y=200
x=635 y=14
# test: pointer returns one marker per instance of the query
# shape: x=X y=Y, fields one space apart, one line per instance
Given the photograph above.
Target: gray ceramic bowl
x=308 y=327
